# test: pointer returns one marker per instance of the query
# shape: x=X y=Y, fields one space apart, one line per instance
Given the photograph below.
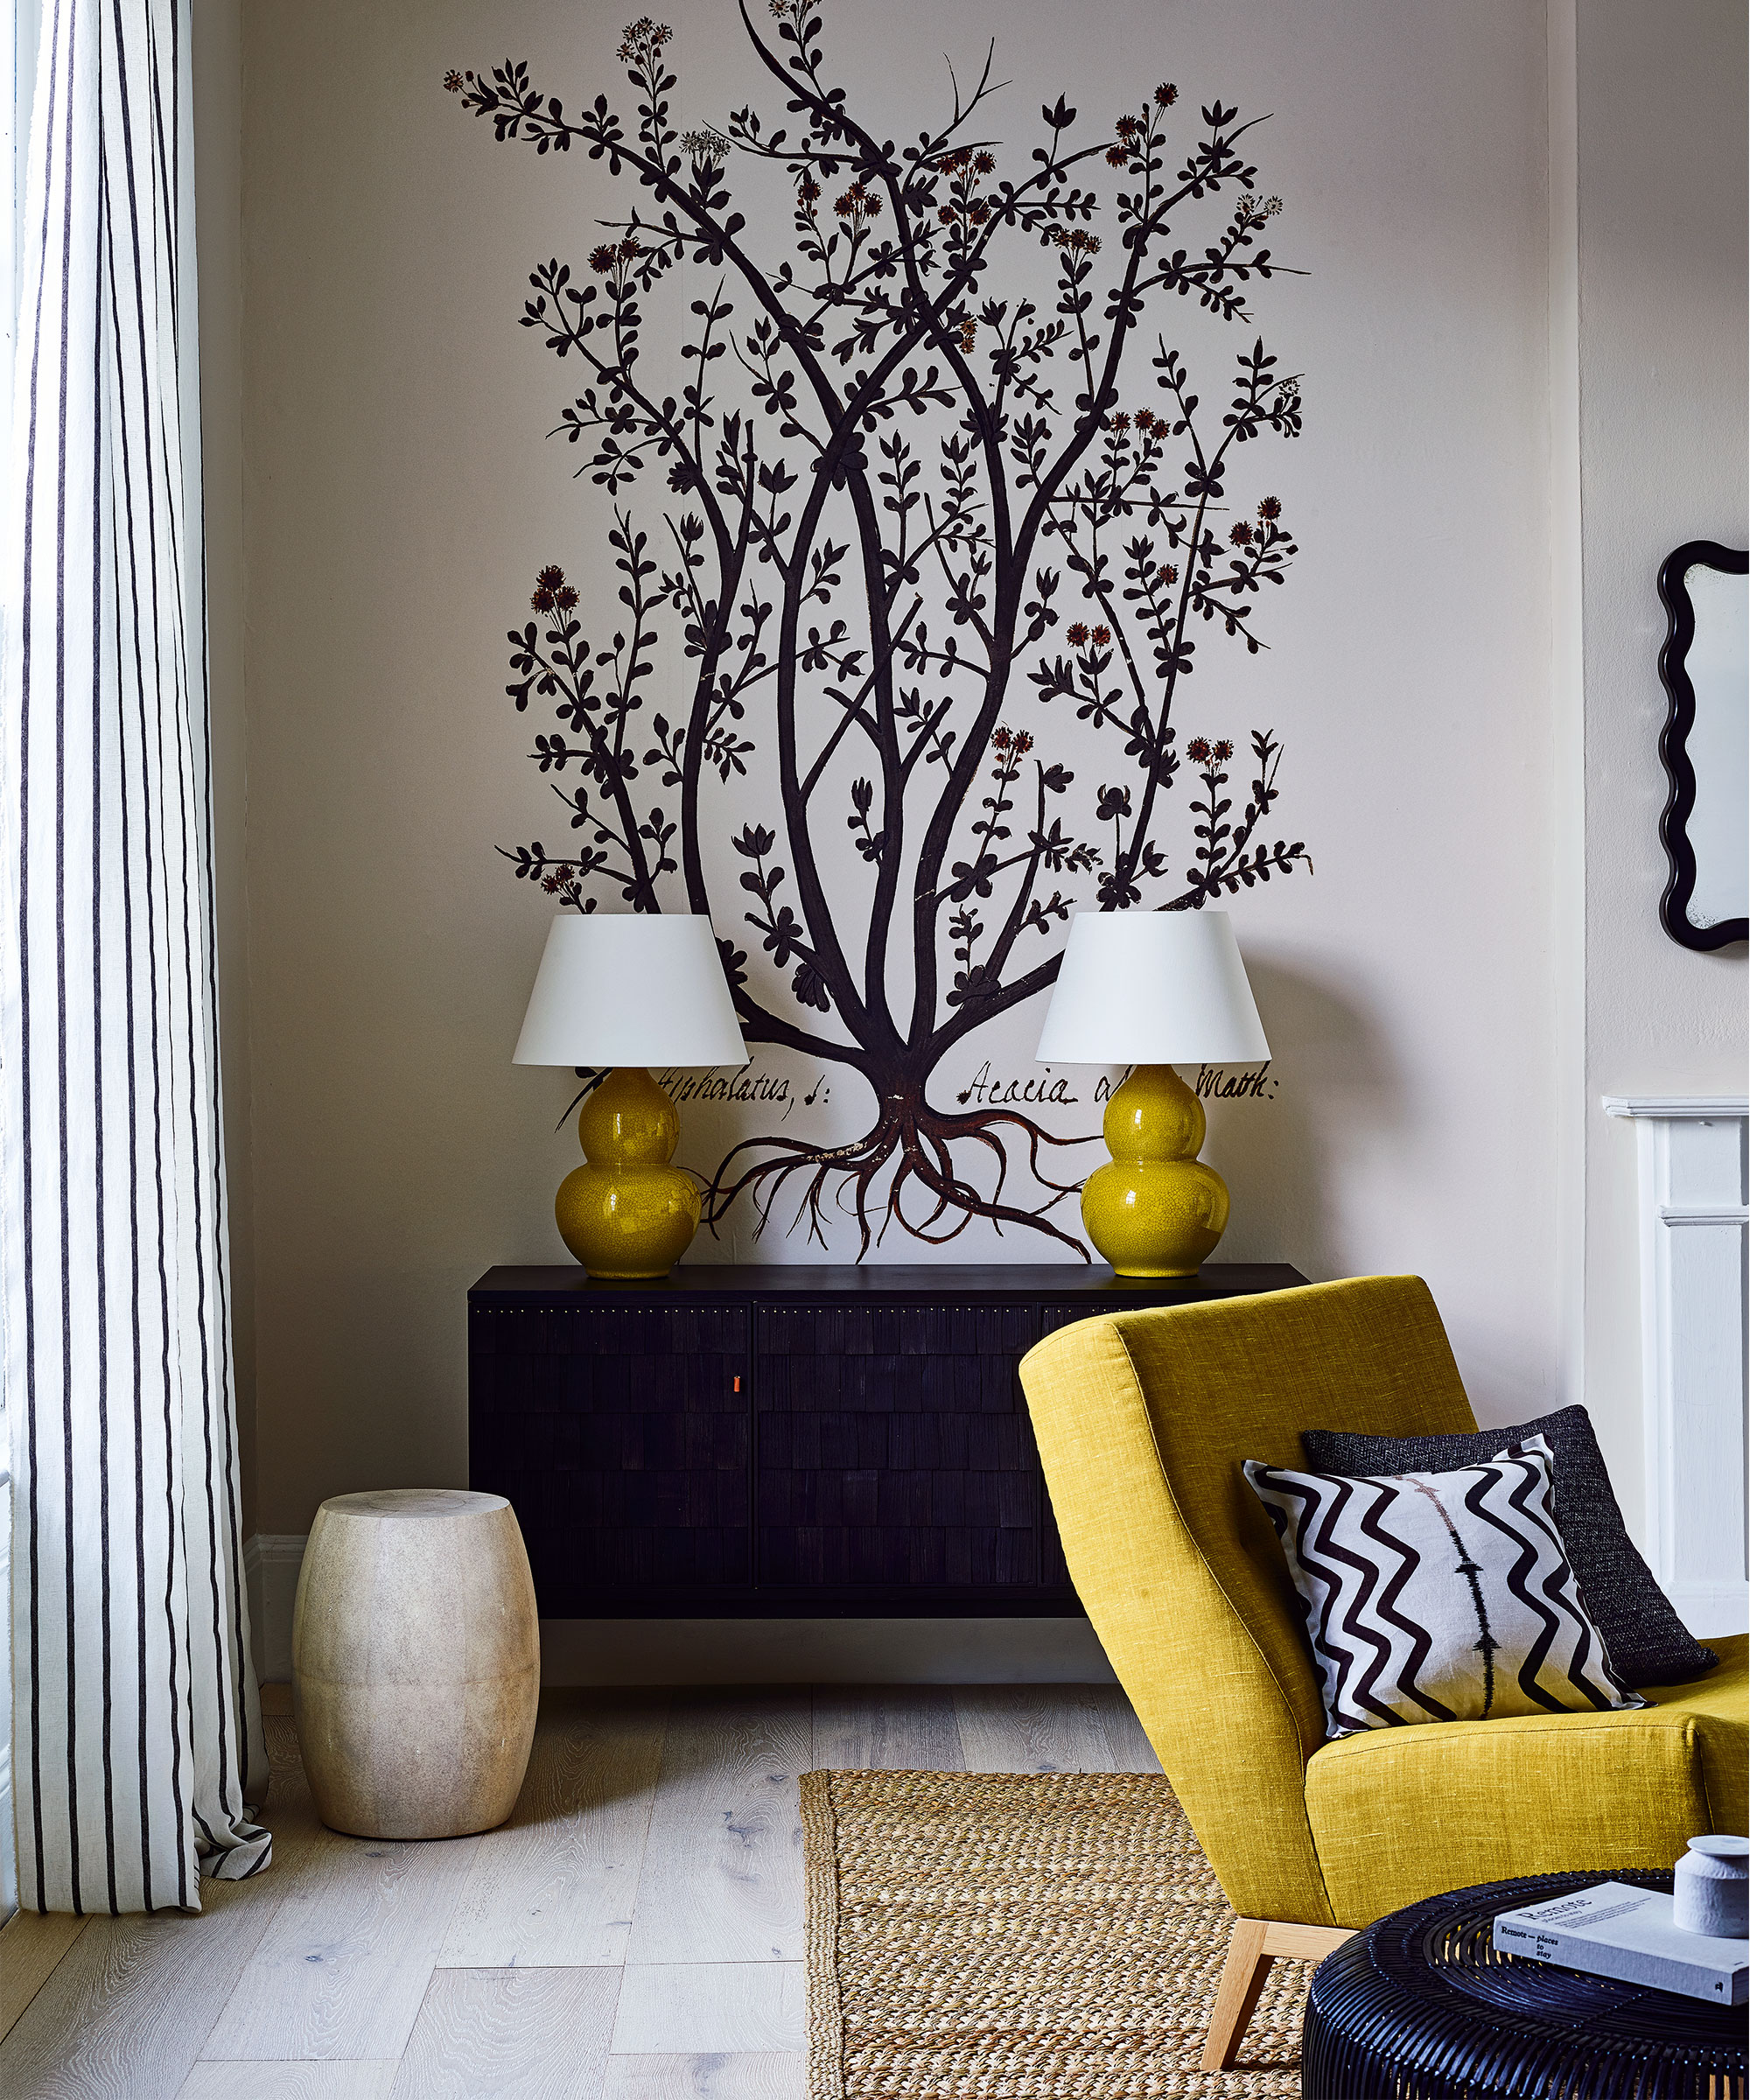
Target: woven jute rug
x=1057 y=1933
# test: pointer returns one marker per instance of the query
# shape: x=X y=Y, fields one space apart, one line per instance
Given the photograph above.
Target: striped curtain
x=137 y=1729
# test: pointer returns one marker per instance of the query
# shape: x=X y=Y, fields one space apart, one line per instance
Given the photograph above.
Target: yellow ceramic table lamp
x=628 y=991
x=1153 y=989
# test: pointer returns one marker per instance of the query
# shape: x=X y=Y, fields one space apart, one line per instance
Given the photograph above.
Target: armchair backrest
x=1142 y=1419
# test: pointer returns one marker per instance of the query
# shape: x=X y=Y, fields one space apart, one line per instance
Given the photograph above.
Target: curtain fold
x=137 y=1730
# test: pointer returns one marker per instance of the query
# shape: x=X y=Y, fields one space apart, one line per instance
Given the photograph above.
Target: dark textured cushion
x=1648 y=1643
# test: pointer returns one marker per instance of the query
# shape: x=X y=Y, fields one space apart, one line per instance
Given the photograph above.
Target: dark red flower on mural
x=643 y=39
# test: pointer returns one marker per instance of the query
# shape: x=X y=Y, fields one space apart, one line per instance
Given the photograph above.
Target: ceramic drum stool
x=416 y=1663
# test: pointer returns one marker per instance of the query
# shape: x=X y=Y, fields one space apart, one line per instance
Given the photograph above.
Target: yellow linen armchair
x=1142 y=1419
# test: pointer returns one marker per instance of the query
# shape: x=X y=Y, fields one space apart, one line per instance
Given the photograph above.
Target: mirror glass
x=1719 y=666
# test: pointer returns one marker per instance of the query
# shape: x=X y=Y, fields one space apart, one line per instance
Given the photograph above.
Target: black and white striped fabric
x=1439 y=1596
x=137 y=1731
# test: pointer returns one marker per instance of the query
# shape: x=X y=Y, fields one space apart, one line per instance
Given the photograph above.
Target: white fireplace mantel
x=1693 y=1224
x=1679 y=1107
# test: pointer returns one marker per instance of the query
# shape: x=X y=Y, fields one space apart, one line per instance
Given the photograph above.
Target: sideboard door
x=894 y=1462
x=620 y=1437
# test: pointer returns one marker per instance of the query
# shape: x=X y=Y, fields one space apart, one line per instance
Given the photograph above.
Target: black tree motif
x=866 y=556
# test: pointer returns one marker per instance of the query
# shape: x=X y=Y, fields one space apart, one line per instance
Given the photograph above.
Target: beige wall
x=395 y=493
x=1662 y=450
x=398 y=495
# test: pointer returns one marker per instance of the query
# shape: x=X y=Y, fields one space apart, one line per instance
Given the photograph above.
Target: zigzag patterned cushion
x=1439 y=1596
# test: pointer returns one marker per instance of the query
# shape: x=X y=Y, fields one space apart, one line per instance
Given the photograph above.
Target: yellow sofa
x=1142 y=1419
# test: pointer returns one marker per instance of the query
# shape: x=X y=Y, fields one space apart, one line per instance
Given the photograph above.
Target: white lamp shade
x=1152 y=988
x=643 y=987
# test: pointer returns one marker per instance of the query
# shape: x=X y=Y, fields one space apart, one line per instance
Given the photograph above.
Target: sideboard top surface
x=1064 y=1283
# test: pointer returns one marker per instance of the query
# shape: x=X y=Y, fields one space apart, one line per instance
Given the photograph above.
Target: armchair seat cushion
x=1397 y=1814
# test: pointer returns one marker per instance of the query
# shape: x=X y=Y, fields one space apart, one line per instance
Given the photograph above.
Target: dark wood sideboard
x=784 y=1442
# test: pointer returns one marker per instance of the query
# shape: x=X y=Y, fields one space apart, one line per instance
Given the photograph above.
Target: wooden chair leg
x=1242 y=1978
x=1253 y=1947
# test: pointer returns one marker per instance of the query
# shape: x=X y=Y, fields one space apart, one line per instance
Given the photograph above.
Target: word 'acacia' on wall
x=871 y=558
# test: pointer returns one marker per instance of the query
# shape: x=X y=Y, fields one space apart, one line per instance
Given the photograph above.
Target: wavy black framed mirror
x=1705 y=665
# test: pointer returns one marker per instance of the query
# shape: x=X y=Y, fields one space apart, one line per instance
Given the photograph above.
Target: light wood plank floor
x=634 y=1933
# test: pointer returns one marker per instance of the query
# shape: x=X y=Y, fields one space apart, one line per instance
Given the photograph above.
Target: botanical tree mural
x=907 y=521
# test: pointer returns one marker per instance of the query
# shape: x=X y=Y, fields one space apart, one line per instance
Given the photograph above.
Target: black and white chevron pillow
x=1440 y=1596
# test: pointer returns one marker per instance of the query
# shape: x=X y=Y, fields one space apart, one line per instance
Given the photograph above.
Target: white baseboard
x=736 y=1651
x=271 y=1560
x=1713 y=1608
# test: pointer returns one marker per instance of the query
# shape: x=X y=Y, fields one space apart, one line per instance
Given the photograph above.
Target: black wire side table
x=1420 y=2006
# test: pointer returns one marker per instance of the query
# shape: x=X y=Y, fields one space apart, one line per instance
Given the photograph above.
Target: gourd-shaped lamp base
x=1155 y=1209
x=627 y=1214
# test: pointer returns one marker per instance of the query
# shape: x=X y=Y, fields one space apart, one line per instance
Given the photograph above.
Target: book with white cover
x=1611 y=1930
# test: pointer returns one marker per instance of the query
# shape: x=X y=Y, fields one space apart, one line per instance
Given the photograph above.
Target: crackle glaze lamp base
x=1153 y=989
x=626 y=1211
x=625 y=991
